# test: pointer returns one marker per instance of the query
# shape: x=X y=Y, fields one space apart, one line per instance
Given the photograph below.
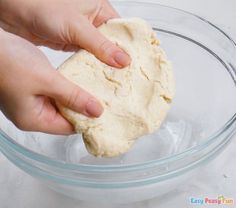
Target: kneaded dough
x=135 y=99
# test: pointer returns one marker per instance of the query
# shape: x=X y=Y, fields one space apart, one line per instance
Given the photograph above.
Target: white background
x=18 y=190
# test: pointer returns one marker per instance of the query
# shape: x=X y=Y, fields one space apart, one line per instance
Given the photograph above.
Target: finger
x=51 y=121
x=59 y=46
x=87 y=36
x=59 y=125
x=62 y=47
x=70 y=48
x=71 y=96
x=38 y=113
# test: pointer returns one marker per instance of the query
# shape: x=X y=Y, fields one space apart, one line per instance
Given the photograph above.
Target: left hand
x=30 y=86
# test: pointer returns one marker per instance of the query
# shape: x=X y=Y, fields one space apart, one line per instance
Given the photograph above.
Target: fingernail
x=94 y=108
x=122 y=59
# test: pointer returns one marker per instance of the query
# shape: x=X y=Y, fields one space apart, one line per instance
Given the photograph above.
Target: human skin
x=29 y=85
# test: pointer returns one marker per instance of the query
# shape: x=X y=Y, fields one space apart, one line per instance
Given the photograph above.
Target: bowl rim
x=230 y=124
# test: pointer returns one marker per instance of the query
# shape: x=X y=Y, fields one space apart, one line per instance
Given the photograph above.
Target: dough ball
x=135 y=99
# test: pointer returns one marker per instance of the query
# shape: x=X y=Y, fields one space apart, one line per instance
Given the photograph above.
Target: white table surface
x=18 y=190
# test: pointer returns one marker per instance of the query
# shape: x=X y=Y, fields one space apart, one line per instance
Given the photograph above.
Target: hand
x=64 y=25
x=29 y=84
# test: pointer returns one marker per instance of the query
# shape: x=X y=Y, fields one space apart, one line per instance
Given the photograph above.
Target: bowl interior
x=205 y=93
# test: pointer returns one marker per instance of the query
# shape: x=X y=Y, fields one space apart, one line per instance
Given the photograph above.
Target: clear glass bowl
x=199 y=125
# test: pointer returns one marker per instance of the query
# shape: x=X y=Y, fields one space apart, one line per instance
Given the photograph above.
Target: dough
x=135 y=99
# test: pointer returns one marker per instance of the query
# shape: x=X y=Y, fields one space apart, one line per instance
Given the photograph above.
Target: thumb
x=88 y=37
x=72 y=96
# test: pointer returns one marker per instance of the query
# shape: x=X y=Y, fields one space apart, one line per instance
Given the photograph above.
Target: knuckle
x=73 y=98
x=68 y=34
x=50 y=83
x=71 y=30
x=106 y=47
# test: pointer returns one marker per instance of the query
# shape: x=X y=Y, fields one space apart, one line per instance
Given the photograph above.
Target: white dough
x=135 y=99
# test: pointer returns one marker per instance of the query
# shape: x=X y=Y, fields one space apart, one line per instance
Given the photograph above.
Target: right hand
x=64 y=25
x=29 y=85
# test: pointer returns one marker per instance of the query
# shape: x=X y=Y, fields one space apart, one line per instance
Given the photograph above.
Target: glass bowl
x=200 y=123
